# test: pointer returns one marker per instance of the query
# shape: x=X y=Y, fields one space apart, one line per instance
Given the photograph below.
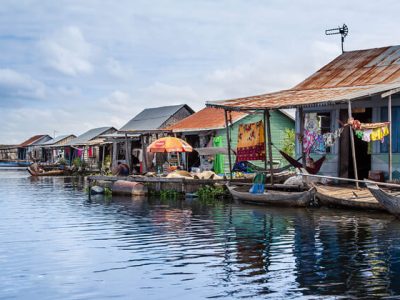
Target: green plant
x=289 y=141
x=167 y=194
x=62 y=161
x=211 y=192
x=107 y=191
x=77 y=162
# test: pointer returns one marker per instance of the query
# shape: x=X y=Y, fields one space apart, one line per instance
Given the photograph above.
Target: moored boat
x=40 y=172
x=280 y=197
x=346 y=197
x=390 y=202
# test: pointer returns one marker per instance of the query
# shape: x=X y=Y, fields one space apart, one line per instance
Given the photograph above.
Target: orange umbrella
x=169 y=144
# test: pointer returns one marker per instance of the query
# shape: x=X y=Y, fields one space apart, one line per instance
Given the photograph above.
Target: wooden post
x=265 y=139
x=127 y=154
x=353 y=148
x=390 y=135
x=102 y=159
x=303 y=155
x=271 y=163
x=228 y=142
x=144 y=154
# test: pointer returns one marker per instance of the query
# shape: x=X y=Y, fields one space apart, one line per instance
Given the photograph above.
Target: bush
x=211 y=192
x=289 y=141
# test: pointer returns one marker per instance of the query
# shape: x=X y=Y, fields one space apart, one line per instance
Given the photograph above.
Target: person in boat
x=122 y=169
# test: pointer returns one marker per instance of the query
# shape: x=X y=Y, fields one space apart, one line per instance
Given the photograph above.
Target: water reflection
x=59 y=244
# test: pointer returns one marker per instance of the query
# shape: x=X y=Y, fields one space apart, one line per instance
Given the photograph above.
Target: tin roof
x=32 y=140
x=59 y=140
x=89 y=135
x=152 y=118
x=206 y=119
x=352 y=75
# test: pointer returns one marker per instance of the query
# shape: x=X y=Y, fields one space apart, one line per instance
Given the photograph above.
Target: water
x=55 y=244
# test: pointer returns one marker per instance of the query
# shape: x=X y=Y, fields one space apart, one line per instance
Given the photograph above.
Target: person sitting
x=122 y=169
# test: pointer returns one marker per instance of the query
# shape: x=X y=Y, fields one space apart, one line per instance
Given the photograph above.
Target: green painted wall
x=279 y=122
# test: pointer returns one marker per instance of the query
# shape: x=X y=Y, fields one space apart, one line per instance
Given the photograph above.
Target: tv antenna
x=343 y=31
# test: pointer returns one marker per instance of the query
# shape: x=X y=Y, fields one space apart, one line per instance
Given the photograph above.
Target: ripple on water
x=57 y=244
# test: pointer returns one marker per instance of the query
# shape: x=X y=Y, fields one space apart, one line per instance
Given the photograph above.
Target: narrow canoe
x=346 y=197
x=46 y=173
x=390 y=202
x=274 y=197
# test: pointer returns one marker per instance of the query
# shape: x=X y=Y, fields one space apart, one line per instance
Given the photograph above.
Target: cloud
x=68 y=52
x=17 y=85
x=118 y=70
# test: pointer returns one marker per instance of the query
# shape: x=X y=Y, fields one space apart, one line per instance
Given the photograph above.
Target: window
x=395 y=129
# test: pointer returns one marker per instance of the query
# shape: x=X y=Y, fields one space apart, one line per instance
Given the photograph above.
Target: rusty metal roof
x=32 y=140
x=352 y=75
x=206 y=119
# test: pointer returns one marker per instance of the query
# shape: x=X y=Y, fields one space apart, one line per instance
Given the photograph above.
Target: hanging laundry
x=319 y=144
x=359 y=134
x=378 y=134
x=90 y=152
x=366 y=135
x=308 y=140
x=311 y=122
x=250 y=144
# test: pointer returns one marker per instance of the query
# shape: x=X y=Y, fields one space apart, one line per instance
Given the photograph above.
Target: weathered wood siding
x=279 y=122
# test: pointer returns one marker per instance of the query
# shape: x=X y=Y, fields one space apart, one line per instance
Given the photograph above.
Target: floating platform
x=347 y=196
x=157 y=184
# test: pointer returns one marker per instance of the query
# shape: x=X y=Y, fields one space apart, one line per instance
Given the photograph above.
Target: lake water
x=55 y=244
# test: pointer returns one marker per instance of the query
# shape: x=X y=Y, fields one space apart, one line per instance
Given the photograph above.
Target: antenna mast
x=343 y=31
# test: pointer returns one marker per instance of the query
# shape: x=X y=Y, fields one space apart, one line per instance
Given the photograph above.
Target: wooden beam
x=127 y=154
x=228 y=142
x=391 y=92
x=144 y=154
x=353 y=148
x=301 y=135
x=265 y=139
x=390 y=135
x=271 y=164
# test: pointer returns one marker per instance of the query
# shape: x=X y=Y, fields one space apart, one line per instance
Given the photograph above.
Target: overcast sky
x=68 y=66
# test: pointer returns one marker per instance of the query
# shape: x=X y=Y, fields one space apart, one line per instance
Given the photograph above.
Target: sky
x=69 y=66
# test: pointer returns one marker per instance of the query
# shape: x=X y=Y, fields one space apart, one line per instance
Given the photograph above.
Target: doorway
x=362 y=149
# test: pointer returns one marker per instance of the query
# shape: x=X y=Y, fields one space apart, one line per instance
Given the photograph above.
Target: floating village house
x=53 y=150
x=29 y=150
x=360 y=85
x=139 y=132
x=8 y=152
x=206 y=132
x=87 y=147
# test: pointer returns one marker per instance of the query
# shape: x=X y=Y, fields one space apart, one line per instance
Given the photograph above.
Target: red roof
x=31 y=140
x=206 y=119
x=352 y=75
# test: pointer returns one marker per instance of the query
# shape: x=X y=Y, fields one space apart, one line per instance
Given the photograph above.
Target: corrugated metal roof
x=352 y=75
x=58 y=139
x=91 y=134
x=34 y=139
x=206 y=119
x=152 y=118
x=296 y=98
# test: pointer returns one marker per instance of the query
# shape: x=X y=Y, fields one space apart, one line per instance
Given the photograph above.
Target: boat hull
x=271 y=197
x=389 y=202
x=46 y=173
x=327 y=197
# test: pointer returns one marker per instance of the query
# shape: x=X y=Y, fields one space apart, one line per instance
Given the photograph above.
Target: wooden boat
x=390 y=202
x=45 y=173
x=348 y=197
x=274 y=197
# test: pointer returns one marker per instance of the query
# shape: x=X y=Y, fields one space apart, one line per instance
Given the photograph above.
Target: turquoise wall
x=279 y=122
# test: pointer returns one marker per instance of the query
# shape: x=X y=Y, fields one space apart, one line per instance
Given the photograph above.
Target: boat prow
x=390 y=202
x=45 y=173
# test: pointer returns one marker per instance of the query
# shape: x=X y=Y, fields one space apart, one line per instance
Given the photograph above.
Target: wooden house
x=8 y=152
x=87 y=147
x=53 y=150
x=140 y=131
x=200 y=128
x=361 y=85
x=29 y=150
